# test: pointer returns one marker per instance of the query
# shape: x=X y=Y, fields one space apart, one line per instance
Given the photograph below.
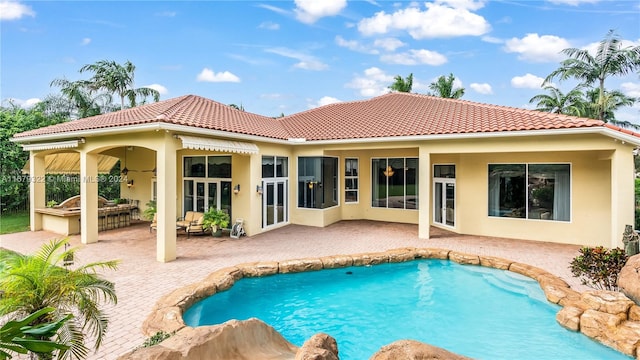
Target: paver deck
x=141 y=280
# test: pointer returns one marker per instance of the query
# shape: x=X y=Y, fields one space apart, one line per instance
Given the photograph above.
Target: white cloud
x=306 y=62
x=272 y=96
x=207 y=75
x=573 y=2
x=631 y=89
x=309 y=11
x=354 y=45
x=325 y=100
x=166 y=13
x=484 y=88
x=527 y=81
x=268 y=25
x=535 y=48
x=415 y=57
x=492 y=40
x=159 y=88
x=440 y=19
x=373 y=82
x=389 y=44
x=13 y=10
x=275 y=9
x=25 y=104
x=593 y=47
x=85 y=41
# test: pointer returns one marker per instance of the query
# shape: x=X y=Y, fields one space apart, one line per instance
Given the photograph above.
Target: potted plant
x=216 y=220
x=150 y=210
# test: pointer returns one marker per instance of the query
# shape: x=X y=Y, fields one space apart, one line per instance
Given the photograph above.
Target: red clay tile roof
x=390 y=115
x=189 y=110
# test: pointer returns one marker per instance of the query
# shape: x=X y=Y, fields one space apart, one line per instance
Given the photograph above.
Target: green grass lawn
x=12 y=223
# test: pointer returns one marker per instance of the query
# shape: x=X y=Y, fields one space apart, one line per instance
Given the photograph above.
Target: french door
x=201 y=195
x=444 y=201
x=274 y=202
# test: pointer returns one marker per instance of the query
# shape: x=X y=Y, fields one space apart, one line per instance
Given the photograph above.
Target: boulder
x=336 y=261
x=259 y=269
x=610 y=302
x=414 y=350
x=234 y=340
x=569 y=317
x=495 y=262
x=300 y=265
x=318 y=347
x=463 y=258
x=629 y=279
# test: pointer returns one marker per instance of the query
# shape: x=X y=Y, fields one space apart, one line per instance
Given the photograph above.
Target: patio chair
x=195 y=227
x=189 y=217
x=154 y=223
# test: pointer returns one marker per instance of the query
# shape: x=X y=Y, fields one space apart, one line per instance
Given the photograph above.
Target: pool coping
x=606 y=316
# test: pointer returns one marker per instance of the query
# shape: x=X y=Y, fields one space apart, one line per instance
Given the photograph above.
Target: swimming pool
x=479 y=312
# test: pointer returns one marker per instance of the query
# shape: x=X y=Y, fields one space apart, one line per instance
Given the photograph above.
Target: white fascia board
x=576 y=131
x=146 y=127
x=158 y=126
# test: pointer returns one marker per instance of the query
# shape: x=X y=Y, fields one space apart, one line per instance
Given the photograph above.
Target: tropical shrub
x=34 y=282
x=19 y=336
x=599 y=267
x=156 y=338
x=150 y=210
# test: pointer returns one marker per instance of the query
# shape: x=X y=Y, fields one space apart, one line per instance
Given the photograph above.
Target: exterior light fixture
x=236 y=189
x=259 y=189
x=130 y=183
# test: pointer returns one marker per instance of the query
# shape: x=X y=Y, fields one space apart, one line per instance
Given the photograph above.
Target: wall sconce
x=130 y=184
x=259 y=189
x=236 y=189
x=310 y=184
x=388 y=172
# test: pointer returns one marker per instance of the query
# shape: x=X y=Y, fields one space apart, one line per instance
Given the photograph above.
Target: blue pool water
x=479 y=312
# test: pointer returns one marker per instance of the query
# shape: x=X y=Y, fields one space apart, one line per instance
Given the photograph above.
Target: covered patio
x=141 y=280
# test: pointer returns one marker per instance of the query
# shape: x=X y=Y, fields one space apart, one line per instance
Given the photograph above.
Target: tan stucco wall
x=68 y=225
x=594 y=186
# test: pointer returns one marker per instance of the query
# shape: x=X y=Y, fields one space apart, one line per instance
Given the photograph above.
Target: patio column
x=88 y=197
x=424 y=193
x=622 y=194
x=36 y=190
x=166 y=200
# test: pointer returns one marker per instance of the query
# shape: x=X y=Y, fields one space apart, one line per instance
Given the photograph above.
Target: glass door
x=202 y=195
x=274 y=202
x=444 y=202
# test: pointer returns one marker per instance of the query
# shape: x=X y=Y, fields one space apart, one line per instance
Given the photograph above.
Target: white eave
x=183 y=129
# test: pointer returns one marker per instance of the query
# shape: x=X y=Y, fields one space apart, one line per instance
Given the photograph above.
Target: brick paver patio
x=141 y=280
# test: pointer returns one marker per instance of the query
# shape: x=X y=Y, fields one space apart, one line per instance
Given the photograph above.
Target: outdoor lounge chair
x=196 y=226
x=189 y=217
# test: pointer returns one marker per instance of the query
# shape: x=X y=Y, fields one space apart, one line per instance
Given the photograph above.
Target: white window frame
x=351 y=177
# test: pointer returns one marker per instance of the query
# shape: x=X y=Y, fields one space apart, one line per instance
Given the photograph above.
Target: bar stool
x=112 y=217
x=102 y=219
x=124 y=216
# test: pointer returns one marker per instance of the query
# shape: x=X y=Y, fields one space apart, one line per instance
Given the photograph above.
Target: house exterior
x=467 y=167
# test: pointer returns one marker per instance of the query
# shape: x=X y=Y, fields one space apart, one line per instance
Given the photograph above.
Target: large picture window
x=394 y=183
x=317 y=182
x=530 y=191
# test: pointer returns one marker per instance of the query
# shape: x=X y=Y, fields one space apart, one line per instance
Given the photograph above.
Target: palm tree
x=118 y=79
x=610 y=60
x=19 y=336
x=402 y=84
x=35 y=282
x=80 y=96
x=610 y=102
x=570 y=103
x=443 y=87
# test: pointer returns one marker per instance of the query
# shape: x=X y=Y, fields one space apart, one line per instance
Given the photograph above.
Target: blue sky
x=288 y=56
